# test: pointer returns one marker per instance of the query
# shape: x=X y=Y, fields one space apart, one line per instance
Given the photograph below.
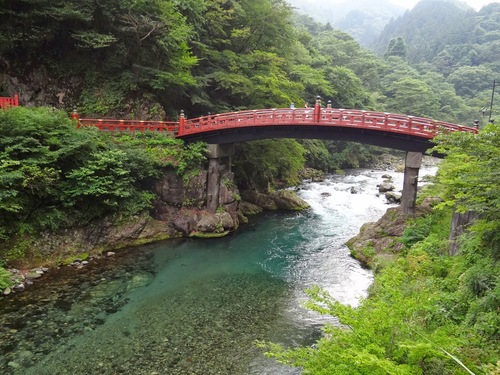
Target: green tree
x=469 y=81
x=397 y=47
x=413 y=97
x=349 y=89
x=469 y=174
x=266 y=164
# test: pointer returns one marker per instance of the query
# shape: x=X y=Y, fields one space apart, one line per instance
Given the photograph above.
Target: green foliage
x=468 y=177
x=316 y=154
x=413 y=97
x=265 y=164
x=5 y=278
x=425 y=226
x=54 y=176
x=397 y=47
x=410 y=324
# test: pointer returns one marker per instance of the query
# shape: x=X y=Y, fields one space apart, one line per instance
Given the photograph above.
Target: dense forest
x=429 y=313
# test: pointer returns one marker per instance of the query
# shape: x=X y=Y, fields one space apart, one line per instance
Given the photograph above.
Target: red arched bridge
x=397 y=131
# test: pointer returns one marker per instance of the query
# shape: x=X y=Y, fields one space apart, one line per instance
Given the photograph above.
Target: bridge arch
x=396 y=131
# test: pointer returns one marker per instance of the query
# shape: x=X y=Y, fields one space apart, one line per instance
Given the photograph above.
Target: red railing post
x=75 y=117
x=16 y=100
x=317 y=109
x=182 y=123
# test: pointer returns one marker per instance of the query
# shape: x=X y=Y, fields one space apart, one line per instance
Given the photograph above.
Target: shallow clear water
x=196 y=306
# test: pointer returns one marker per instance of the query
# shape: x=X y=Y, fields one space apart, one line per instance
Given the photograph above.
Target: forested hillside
x=454 y=41
x=362 y=19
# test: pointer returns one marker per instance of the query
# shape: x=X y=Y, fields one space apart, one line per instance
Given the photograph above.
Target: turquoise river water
x=196 y=306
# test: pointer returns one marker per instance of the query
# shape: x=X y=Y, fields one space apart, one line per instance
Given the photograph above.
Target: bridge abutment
x=413 y=162
x=219 y=159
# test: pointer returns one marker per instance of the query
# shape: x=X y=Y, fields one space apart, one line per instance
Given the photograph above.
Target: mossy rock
x=197 y=234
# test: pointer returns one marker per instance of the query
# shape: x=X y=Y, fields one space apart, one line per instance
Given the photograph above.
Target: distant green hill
x=437 y=30
x=363 y=19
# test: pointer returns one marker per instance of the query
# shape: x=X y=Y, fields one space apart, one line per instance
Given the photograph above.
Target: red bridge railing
x=7 y=102
x=328 y=117
x=349 y=118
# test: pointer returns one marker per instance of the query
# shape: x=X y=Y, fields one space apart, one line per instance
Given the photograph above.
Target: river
x=197 y=306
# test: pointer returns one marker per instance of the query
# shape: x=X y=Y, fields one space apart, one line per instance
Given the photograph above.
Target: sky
x=476 y=4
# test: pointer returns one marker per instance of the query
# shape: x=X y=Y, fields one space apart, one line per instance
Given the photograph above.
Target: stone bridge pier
x=413 y=163
x=219 y=160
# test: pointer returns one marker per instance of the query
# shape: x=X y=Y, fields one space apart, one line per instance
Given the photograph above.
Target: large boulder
x=215 y=223
x=247 y=208
x=185 y=220
x=289 y=200
x=259 y=199
x=386 y=186
x=279 y=200
x=393 y=197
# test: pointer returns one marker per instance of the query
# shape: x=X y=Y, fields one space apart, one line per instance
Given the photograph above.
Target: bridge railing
x=7 y=102
x=347 y=118
x=263 y=117
x=130 y=125
x=395 y=123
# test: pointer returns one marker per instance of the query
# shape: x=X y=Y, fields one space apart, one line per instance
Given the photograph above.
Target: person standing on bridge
x=292 y=106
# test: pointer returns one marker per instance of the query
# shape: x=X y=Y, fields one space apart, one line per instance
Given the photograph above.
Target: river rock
x=386 y=186
x=226 y=220
x=393 y=197
x=215 y=223
x=208 y=223
x=248 y=208
x=289 y=200
x=33 y=275
x=259 y=199
x=19 y=287
x=312 y=174
x=185 y=220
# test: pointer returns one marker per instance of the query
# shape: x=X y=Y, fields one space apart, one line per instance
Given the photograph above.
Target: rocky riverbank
x=178 y=212
x=378 y=242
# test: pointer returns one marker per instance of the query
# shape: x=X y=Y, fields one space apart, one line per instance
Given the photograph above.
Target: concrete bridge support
x=219 y=159
x=409 y=197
